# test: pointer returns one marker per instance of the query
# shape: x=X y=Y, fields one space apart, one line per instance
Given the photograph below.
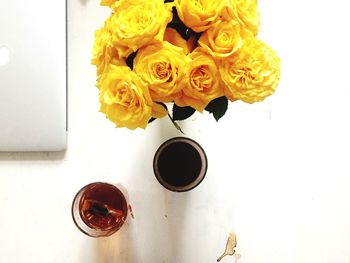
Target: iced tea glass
x=100 y=209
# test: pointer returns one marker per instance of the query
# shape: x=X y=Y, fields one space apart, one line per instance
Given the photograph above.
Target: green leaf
x=182 y=113
x=130 y=60
x=151 y=120
x=218 y=107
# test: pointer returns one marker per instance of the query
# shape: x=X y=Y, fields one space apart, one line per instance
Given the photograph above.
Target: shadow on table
x=118 y=247
x=32 y=156
x=177 y=211
x=83 y=2
x=176 y=205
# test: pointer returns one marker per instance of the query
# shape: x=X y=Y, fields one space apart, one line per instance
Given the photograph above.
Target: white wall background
x=278 y=170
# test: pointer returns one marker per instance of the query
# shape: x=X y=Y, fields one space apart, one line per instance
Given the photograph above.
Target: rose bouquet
x=195 y=55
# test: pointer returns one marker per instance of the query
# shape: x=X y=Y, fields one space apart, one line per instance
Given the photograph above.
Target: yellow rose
x=252 y=73
x=104 y=53
x=137 y=23
x=162 y=67
x=223 y=39
x=125 y=99
x=199 y=15
x=204 y=82
x=173 y=37
x=245 y=12
x=108 y=2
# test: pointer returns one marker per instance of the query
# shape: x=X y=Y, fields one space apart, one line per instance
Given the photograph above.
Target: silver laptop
x=33 y=92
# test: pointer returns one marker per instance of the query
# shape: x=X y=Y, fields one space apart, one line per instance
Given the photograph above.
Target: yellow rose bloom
x=252 y=73
x=204 y=83
x=173 y=37
x=245 y=12
x=162 y=67
x=199 y=15
x=223 y=39
x=137 y=23
x=125 y=99
x=104 y=53
x=108 y=2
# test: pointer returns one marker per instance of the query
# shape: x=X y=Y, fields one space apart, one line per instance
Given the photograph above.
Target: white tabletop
x=278 y=171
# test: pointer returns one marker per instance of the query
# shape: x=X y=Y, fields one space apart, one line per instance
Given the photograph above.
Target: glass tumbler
x=180 y=164
x=100 y=209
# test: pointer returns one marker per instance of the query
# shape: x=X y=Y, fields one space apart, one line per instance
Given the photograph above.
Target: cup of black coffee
x=180 y=164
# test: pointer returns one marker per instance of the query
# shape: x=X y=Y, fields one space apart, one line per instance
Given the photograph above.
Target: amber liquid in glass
x=103 y=207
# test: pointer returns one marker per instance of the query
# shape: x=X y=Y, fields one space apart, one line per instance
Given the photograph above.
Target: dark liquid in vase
x=179 y=164
x=103 y=207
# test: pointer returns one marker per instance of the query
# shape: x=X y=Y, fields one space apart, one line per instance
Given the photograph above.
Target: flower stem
x=177 y=126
